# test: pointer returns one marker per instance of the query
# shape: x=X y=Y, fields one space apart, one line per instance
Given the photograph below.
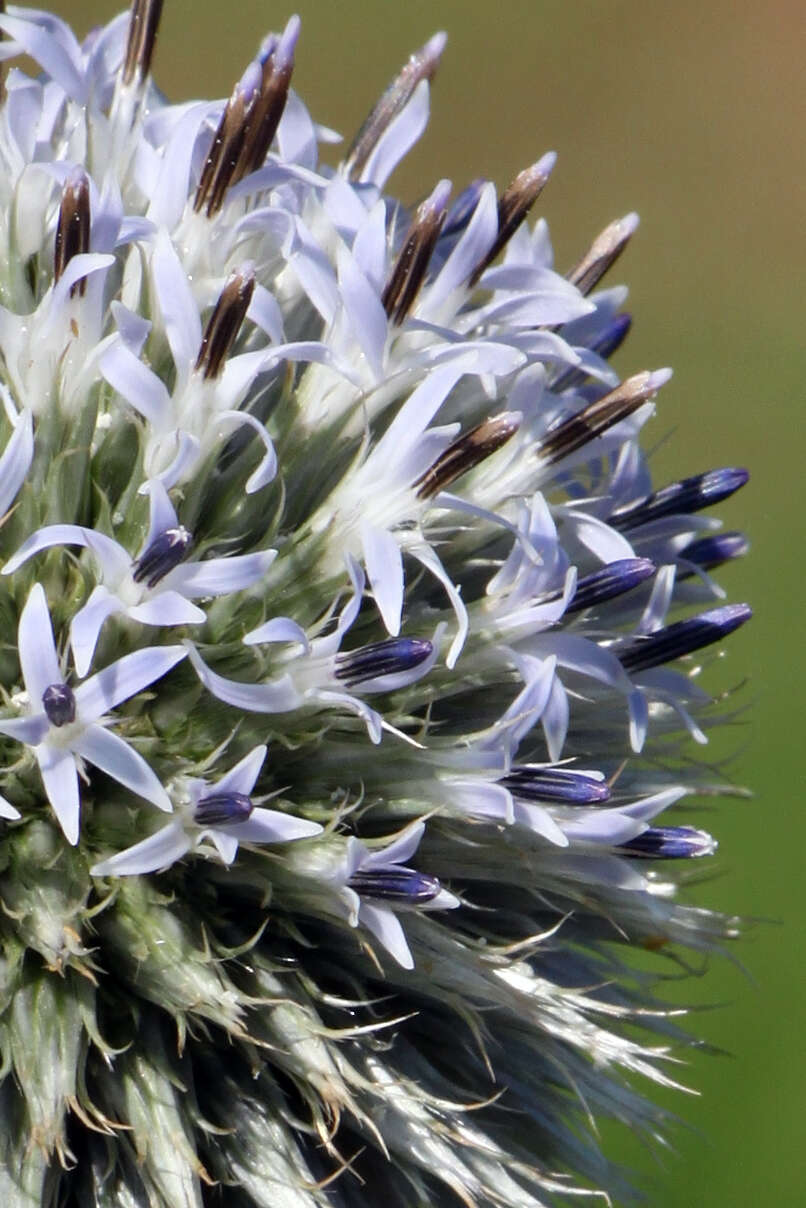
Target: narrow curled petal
x=86 y=625
x=387 y=929
x=37 y=651
x=117 y=682
x=272 y=826
x=60 y=777
x=109 y=753
x=219 y=576
x=153 y=854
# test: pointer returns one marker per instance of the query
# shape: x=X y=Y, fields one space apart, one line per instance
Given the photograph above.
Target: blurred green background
x=692 y=113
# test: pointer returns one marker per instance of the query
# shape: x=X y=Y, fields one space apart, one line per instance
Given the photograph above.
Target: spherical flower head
x=287 y=464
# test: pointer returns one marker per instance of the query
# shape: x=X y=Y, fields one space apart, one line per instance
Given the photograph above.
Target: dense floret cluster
x=348 y=685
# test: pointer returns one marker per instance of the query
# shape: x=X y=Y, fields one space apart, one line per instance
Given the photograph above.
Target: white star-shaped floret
x=65 y=727
x=237 y=821
x=163 y=595
x=366 y=909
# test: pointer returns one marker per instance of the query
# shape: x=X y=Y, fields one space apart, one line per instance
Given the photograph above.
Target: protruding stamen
x=513 y=205
x=553 y=784
x=713 y=551
x=222 y=809
x=598 y=417
x=403 y=886
x=605 y=345
x=225 y=151
x=390 y=657
x=612 y=580
x=421 y=66
x=144 y=19
x=688 y=495
x=670 y=843
x=73 y=226
x=59 y=703
x=411 y=266
x=225 y=322
x=277 y=61
x=683 y=637
x=164 y=553
x=468 y=451
x=603 y=252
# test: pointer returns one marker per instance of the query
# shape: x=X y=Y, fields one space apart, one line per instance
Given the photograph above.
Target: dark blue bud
x=612 y=336
x=222 y=809
x=683 y=637
x=552 y=784
x=59 y=703
x=681 y=498
x=163 y=554
x=390 y=657
x=612 y=580
x=605 y=344
x=710 y=552
x=463 y=209
x=402 y=886
x=670 y=843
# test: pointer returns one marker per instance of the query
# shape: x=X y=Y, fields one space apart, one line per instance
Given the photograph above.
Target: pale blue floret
x=185 y=833
x=361 y=908
x=165 y=599
x=311 y=674
x=61 y=748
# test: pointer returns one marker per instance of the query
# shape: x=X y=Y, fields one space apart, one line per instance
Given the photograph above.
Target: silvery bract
x=350 y=683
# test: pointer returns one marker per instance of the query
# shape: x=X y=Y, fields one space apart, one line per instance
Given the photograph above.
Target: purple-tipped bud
x=612 y=580
x=73 y=226
x=398 y=885
x=222 y=809
x=513 y=205
x=390 y=657
x=421 y=66
x=681 y=498
x=670 y=843
x=411 y=266
x=225 y=322
x=552 y=784
x=59 y=703
x=463 y=209
x=713 y=551
x=144 y=19
x=683 y=637
x=605 y=345
x=597 y=417
x=468 y=451
x=164 y=553
x=603 y=252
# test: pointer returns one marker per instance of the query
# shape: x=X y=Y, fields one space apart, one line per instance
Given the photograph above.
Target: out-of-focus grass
x=691 y=113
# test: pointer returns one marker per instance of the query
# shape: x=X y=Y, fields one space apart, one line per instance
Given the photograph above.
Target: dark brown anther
x=603 y=252
x=421 y=66
x=468 y=451
x=411 y=266
x=513 y=206
x=598 y=417
x=225 y=322
x=269 y=104
x=144 y=20
x=249 y=121
x=218 y=172
x=73 y=227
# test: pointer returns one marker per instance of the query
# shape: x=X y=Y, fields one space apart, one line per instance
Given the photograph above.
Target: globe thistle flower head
x=328 y=532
